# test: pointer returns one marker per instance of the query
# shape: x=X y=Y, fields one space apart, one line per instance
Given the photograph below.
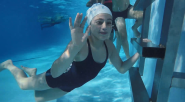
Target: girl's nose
x=104 y=26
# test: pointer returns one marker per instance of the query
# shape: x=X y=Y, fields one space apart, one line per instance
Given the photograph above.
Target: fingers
x=83 y=22
x=78 y=20
x=70 y=23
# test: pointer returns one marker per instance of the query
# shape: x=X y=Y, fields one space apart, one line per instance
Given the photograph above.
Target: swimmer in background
x=51 y=21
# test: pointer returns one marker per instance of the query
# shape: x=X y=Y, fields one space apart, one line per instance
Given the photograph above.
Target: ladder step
x=148 y=49
x=178 y=80
x=142 y=4
x=138 y=89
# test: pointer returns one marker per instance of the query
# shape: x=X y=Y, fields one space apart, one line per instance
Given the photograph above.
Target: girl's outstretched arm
x=78 y=40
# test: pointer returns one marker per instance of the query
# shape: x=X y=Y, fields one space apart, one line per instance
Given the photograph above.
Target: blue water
x=22 y=38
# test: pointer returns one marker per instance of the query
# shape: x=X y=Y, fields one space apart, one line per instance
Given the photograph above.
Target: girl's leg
x=45 y=95
x=30 y=71
x=50 y=94
x=37 y=82
x=122 y=34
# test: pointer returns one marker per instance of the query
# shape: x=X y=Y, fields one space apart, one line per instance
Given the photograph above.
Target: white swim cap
x=96 y=9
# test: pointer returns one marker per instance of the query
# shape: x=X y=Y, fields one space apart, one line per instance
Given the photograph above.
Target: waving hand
x=78 y=37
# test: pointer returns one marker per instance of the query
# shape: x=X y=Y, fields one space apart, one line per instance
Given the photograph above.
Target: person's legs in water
x=49 y=94
x=135 y=30
x=120 y=5
x=52 y=23
x=122 y=36
x=46 y=25
x=121 y=33
x=30 y=71
x=44 y=19
x=138 y=15
x=35 y=82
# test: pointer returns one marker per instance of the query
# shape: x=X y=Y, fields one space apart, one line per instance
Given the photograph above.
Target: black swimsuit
x=78 y=74
x=123 y=14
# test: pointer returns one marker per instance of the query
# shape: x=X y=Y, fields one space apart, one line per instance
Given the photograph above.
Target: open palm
x=78 y=37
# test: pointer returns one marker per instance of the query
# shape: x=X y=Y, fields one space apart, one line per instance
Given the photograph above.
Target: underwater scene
x=35 y=33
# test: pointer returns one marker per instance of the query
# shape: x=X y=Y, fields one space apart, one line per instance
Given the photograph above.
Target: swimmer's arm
x=121 y=66
x=63 y=62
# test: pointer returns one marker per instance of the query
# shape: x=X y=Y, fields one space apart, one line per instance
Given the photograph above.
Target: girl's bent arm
x=63 y=62
x=115 y=59
x=126 y=65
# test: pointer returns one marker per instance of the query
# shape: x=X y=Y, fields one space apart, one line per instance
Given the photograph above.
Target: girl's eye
x=99 y=23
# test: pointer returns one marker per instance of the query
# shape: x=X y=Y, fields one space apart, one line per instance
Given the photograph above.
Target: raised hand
x=78 y=37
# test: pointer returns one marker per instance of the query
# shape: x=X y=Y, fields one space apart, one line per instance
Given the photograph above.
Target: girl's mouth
x=103 y=32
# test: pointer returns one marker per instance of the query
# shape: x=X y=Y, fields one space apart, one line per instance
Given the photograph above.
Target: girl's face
x=101 y=26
